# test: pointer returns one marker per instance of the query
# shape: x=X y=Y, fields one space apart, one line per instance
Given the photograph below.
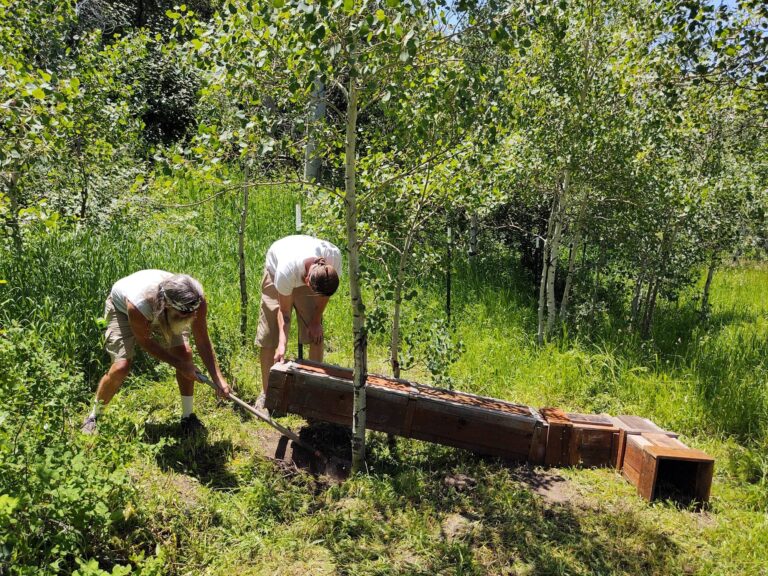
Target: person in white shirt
x=157 y=303
x=301 y=273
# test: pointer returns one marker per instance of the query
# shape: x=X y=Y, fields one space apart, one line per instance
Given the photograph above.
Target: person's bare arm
x=142 y=330
x=205 y=348
x=315 y=326
x=283 y=324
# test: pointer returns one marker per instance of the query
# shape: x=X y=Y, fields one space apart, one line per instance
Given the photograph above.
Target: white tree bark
x=394 y=347
x=311 y=160
x=358 y=309
x=545 y=271
x=241 y=258
x=554 y=252
x=18 y=243
x=569 y=278
x=473 y=227
x=635 y=309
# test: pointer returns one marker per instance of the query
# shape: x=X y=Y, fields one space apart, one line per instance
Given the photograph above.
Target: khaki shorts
x=304 y=302
x=120 y=341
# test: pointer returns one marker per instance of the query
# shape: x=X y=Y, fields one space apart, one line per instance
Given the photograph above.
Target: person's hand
x=315 y=331
x=223 y=389
x=280 y=355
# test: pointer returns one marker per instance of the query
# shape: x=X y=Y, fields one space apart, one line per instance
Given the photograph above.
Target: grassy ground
x=216 y=504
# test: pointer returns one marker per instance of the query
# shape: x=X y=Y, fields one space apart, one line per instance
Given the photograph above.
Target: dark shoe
x=191 y=424
x=89 y=426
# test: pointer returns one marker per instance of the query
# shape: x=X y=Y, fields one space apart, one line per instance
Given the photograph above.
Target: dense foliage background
x=590 y=176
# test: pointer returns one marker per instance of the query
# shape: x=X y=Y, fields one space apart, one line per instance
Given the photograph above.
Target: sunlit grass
x=216 y=505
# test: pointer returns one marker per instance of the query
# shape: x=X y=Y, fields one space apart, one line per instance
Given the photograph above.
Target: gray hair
x=181 y=292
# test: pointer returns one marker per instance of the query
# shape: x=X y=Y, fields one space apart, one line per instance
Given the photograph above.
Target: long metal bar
x=264 y=417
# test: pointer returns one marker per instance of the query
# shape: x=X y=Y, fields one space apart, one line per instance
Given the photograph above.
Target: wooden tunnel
x=652 y=459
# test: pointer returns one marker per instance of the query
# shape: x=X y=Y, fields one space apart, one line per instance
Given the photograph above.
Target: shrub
x=59 y=499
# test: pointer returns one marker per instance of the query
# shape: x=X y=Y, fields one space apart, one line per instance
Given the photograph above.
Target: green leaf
x=380 y=15
x=349 y=5
x=38 y=93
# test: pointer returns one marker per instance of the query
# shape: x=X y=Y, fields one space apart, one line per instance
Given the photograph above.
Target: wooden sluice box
x=652 y=459
x=580 y=439
x=477 y=423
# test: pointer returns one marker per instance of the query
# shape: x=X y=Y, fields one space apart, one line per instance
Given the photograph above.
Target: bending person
x=157 y=310
x=302 y=273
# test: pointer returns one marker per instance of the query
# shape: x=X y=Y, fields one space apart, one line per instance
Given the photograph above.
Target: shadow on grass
x=505 y=516
x=563 y=538
x=192 y=454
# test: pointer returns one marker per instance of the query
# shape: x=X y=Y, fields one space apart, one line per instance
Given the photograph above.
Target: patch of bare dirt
x=551 y=486
x=332 y=441
x=458 y=527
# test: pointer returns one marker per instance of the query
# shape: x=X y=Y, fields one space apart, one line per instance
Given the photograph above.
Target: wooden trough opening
x=652 y=459
x=663 y=467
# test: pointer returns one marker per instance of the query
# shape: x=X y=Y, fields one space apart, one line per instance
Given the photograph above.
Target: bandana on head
x=181 y=307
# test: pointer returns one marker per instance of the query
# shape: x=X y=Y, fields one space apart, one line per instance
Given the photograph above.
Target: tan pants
x=120 y=341
x=304 y=302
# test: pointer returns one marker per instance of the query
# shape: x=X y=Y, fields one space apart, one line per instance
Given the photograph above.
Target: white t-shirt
x=140 y=288
x=285 y=260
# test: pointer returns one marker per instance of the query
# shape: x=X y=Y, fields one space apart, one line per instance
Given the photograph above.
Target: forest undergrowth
x=141 y=498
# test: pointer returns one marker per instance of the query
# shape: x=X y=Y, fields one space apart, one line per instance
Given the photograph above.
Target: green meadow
x=140 y=498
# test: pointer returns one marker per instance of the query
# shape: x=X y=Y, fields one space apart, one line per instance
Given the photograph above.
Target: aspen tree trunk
x=358 y=310
x=635 y=308
x=473 y=234
x=707 y=286
x=394 y=347
x=554 y=253
x=544 y=271
x=18 y=244
x=598 y=267
x=84 y=190
x=646 y=304
x=241 y=259
x=651 y=310
x=648 y=307
x=569 y=278
x=394 y=344
x=311 y=160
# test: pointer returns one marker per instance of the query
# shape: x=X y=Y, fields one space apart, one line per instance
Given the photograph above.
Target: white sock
x=98 y=406
x=186 y=405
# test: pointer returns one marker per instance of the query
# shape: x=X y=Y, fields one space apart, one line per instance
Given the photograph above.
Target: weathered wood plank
x=455 y=419
x=648 y=456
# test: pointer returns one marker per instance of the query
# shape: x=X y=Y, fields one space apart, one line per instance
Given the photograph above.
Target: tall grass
x=698 y=375
x=215 y=504
x=59 y=284
x=703 y=375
